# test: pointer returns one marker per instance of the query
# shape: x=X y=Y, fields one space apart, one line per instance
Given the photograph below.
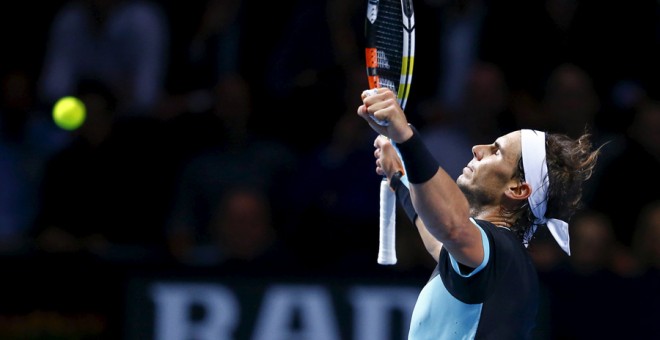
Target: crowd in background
x=221 y=135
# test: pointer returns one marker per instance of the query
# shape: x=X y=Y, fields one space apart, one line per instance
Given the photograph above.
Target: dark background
x=301 y=62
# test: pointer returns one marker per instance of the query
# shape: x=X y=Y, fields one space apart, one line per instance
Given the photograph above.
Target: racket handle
x=387 y=249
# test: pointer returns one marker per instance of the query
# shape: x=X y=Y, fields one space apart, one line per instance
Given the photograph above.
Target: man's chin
x=465 y=189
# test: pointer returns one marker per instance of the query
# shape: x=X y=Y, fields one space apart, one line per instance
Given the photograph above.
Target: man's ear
x=519 y=191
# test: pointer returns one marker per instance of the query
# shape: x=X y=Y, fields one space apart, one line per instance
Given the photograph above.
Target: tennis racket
x=389 y=52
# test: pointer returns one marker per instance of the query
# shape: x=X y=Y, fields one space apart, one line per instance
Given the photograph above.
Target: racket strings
x=389 y=44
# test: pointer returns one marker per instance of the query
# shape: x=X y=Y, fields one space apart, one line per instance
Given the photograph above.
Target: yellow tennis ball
x=69 y=113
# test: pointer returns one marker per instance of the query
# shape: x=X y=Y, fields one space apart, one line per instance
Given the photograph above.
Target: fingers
x=373 y=105
x=376 y=101
x=379 y=166
x=384 y=158
x=367 y=93
x=377 y=154
x=381 y=141
x=379 y=107
x=362 y=111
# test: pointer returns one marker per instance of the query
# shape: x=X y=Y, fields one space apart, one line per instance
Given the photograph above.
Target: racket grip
x=387 y=249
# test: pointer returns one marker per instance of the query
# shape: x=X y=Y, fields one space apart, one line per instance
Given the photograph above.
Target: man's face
x=490 y=172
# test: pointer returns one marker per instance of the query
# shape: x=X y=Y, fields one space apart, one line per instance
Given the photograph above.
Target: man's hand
x=382 y=105
x=387 y=159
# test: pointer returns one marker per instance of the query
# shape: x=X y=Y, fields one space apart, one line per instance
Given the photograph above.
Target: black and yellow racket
x=390 y=54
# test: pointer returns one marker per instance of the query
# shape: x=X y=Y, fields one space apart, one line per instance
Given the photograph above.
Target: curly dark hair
x=571 y=162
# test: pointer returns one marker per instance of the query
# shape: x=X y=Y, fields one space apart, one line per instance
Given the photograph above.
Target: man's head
x=490 y=178
x=496 y=178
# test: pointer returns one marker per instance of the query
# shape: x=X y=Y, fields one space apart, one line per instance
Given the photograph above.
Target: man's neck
x=493 y=215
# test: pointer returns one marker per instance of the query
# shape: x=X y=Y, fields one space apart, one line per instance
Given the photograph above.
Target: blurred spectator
x=546 y=39
x=478 y=119
x=585 y=294
x=312 y=62
x=219 y=151
x=594 y=245
x=242 y=226
x=453 y=47
x=209 y=45
x=647 y=247
x=553 y=32
x=545 y=253
x=640 y=155
x=334 y=200
x=215 y=48
x=227 y=122
x=647 y=235
x=567 y=103
x=240 y=238
x=570 y=102
x=120 y=45
x=123 y=43
x=27 y=139
x=103 y=195
x=319 y=40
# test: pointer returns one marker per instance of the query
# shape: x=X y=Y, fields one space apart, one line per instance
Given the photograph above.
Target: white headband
x=536 y=175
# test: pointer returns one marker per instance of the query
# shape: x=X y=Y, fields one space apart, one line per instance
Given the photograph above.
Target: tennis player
x=477 y=228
